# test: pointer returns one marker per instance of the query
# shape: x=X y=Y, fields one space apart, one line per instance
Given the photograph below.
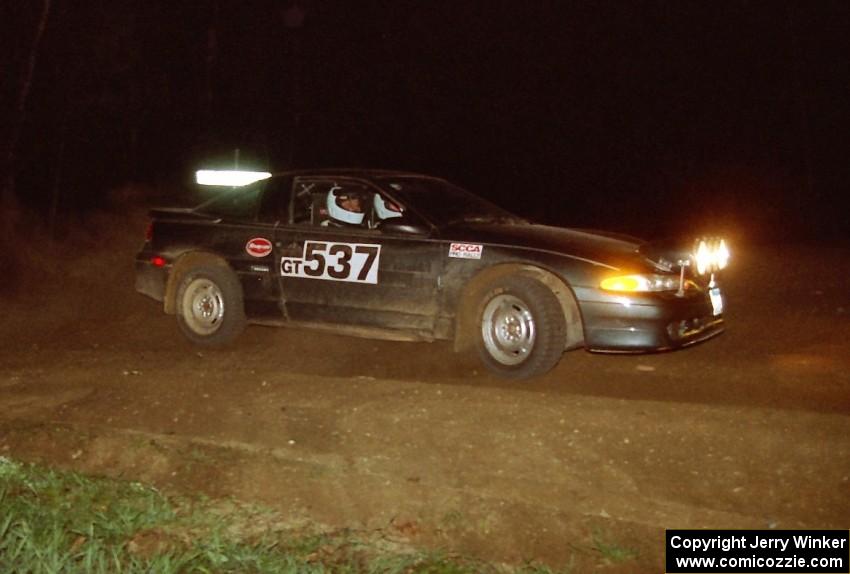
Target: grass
x=612 y=551
x=63 y=522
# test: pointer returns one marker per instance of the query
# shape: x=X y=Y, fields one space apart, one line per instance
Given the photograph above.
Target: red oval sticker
x=258 y=247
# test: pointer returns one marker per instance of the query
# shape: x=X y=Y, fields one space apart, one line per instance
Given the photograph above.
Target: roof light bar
x=229 y=178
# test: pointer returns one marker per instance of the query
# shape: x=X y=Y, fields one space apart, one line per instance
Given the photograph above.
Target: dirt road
x=583 y=466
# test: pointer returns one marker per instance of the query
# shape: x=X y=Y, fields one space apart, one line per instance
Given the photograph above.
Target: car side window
x=329 y=203
x=239 y=203
x=384 y=208
x=302 y=201
x=340 y=203
x=274 y=203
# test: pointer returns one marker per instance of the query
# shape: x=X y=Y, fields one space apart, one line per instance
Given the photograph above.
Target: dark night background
x=645 y=117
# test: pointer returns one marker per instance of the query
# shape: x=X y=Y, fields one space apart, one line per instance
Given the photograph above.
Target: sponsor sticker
x=351 y=262
x=466 y=250
x=258 y=247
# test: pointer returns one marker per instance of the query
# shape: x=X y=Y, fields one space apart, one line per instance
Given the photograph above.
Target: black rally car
x=403 y=256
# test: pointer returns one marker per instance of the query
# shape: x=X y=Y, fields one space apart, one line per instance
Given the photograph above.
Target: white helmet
x=336 y=196
x=384 y=208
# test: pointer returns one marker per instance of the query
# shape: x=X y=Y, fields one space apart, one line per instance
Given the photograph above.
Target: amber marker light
x=640 y=283
x=623 y=283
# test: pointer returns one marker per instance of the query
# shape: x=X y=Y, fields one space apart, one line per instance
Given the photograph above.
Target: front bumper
x=652 y=322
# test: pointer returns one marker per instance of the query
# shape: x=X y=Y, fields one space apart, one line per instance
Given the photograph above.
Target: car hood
x=597 y=246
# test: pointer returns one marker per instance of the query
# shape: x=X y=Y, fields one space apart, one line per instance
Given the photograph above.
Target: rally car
x=404 y=256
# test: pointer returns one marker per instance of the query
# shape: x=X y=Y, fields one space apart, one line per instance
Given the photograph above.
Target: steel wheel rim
x=508 y=329
x=203 y=306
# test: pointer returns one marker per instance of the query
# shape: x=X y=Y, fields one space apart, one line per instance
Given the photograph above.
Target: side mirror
x=403 y=226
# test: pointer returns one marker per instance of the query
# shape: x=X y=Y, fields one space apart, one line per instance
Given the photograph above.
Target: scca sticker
x=466 y=250
x=352 y=262
x=258 y=247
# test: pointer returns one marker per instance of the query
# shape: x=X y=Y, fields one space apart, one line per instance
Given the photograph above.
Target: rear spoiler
x=178 y=213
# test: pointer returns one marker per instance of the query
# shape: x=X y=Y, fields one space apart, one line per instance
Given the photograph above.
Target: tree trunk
x=58 y=173
x=811 y=191
x=8 y=199
x=209 y=66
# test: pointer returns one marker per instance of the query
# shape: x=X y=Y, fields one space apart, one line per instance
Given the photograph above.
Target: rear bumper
x=151 y=280
x=633 y=325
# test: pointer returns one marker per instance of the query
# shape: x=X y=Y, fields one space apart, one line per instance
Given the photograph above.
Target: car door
x=243 y=233
x=348 y=273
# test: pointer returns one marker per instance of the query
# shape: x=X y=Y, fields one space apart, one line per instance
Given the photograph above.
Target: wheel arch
x=467 y=304
x=183 y=263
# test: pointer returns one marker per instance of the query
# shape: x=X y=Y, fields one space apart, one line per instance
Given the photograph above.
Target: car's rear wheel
x=210 y=309
x=522 y=330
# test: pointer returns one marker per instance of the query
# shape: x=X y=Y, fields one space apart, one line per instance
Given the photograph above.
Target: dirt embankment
x=747 y=431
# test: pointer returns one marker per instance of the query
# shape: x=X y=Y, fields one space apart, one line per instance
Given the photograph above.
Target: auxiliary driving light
x=710 y=255
x=229 y=178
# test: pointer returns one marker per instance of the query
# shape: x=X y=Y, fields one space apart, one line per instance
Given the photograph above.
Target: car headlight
x=710 y=255
x=640 y=283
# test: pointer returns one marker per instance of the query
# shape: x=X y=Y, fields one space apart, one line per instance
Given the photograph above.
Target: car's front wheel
x=210 y=309
x=522 y=330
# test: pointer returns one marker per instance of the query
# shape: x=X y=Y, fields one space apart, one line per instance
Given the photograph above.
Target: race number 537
x=353 y=262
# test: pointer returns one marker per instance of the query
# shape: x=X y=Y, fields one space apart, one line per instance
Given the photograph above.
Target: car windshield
x=444 y=203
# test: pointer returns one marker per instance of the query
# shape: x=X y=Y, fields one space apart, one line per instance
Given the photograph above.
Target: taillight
x=149 y=232
x=158 y=261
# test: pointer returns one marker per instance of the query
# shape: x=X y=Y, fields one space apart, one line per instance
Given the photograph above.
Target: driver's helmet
x=345 y=206
x=384 y=208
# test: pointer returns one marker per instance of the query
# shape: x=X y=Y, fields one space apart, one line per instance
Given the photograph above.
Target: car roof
x=353 y=172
